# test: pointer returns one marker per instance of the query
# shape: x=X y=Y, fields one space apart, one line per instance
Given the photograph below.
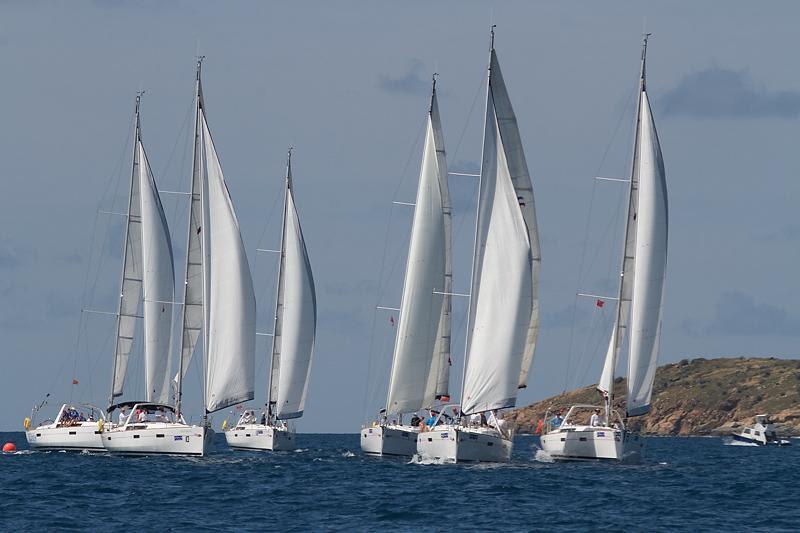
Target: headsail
x=421 y=361
x=159 y=285
x=504 y=298
x=296 y=317
x=230 y=305
x=650 y=266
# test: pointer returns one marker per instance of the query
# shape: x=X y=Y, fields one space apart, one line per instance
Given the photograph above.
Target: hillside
x=700 y=397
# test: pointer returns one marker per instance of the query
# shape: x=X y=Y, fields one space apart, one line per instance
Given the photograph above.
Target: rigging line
x=582 y=262
x=379 y=295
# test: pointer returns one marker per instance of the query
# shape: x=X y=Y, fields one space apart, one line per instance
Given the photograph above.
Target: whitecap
x=542 y=456
x=419 y=459
x=348 y=453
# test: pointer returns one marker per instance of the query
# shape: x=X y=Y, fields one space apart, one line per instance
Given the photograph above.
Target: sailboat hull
x=82 y=436
x=158 y=438
x=260 y=437
x=458 y=444
x=389 y=440
x=586 y=443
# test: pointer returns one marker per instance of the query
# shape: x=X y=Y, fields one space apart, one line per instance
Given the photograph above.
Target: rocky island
x=699 y=397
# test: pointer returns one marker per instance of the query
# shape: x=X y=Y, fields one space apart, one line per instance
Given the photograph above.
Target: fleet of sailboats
x=421 y=360
x=639 y=305
x=218 y=311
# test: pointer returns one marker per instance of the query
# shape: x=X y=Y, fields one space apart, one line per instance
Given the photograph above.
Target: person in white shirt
x=595 y=420
x=122 y=417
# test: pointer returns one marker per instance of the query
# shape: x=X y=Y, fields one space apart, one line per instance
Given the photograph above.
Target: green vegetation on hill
x=700 y=397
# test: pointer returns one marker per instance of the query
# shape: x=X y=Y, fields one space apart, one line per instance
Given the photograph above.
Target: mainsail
x=644 y=263
x=147 y=265
x=219 y=297
x=504 y=303
x=295 y=317
x=421 y=361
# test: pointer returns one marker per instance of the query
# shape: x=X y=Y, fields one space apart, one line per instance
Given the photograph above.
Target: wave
x=419 y=459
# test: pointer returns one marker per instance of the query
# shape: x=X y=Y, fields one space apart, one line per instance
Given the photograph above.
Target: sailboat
x=503 y=320
x=147 y=268
x=218 y=301
x=292 y=341
x=421 y=358
x=638 y=311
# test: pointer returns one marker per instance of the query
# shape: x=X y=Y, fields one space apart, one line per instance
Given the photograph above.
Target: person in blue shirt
x=431 y=420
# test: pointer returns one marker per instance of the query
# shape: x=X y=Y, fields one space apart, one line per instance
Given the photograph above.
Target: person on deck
x=122 y=417
x=594 y=421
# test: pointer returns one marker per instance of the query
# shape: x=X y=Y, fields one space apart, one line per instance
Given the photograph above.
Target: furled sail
x=650 y=263
x=421 y=361
x=504 y=298
x=230 y=306
x=296 y=318
x=159 y=284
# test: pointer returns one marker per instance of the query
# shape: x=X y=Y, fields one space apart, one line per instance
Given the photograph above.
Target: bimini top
x=141 y=405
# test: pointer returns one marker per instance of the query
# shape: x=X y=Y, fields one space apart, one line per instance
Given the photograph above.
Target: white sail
x=296 y=319
x=159 y=285
x=131 y=286
x=194 y=286
x=420 y=365
x=650 y=263
x=503 y=303
x=230 y=304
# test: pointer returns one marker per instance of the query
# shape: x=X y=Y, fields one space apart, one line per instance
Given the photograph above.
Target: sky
x=347 y=85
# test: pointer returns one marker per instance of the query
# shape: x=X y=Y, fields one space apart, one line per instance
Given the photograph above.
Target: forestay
x=296 y=318
x=504 y=298
x=421 y=360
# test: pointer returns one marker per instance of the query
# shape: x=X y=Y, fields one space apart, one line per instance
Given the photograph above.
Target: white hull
x=82 y=436
x=158 y=438
x=260 y=437
x=592 y=443
x=464 y=444
x=389 y=440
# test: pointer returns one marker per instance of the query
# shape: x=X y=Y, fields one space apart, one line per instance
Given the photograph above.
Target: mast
x=198 y=195
x=134 y=166
x=274 y=369
x=477 y=217
x=633 y=191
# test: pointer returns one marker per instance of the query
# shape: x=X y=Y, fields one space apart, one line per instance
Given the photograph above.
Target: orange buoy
x=9 y=447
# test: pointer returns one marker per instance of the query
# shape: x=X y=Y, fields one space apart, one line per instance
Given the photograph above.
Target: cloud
x=717 y=92
x=737 y=313
x=414 y=81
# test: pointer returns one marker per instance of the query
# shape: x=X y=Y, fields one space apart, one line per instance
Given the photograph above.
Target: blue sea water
x=684 y=484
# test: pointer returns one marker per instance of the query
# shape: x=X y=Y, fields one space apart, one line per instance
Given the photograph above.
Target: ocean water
x=326 y=484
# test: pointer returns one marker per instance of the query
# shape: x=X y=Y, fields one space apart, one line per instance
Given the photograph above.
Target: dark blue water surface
x=327 y=484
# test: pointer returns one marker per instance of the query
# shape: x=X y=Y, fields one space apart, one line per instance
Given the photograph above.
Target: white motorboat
x=420 y=371
x=154 y=429
x=761 y=433
x=293 y=338
x=503 y=316
x=576 y=439
x=72 y=429
x=638 y=310
x=218 y=301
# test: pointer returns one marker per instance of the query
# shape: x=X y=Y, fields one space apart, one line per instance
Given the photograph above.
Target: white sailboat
x=421 y=358
x=292 y=341
x=639 y=306
x=503 y=319
x=147 y=267
x=218 y=300
x=71 y=429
